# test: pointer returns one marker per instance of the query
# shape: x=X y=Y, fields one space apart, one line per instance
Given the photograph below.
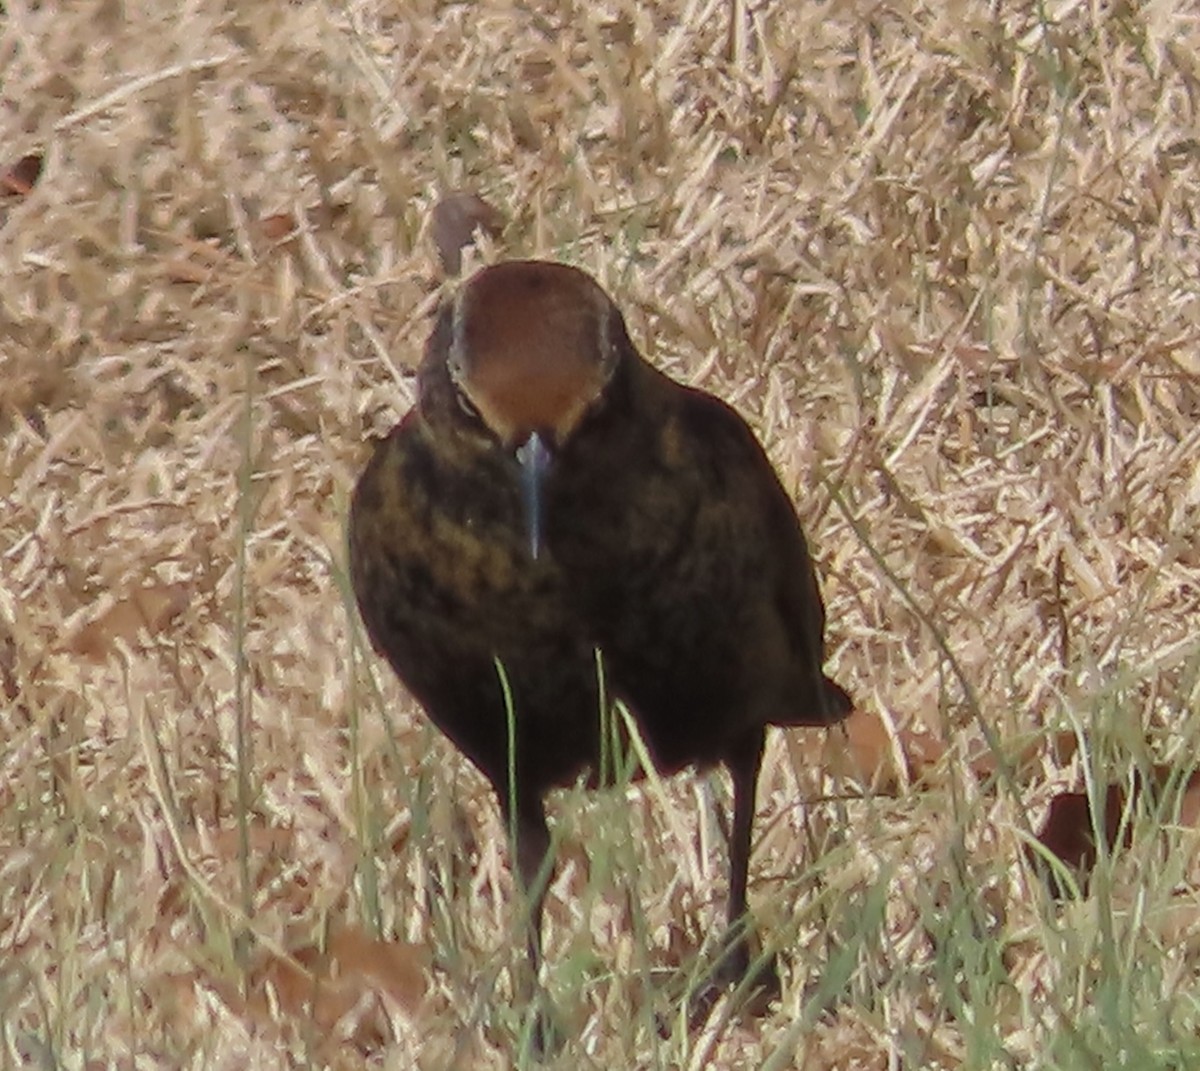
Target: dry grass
x=943 y=257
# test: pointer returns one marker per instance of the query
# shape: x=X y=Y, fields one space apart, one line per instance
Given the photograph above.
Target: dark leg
x=531 y=851
x=743 y=761
x=532 y=870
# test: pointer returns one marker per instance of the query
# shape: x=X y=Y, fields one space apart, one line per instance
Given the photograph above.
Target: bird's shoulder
x=715 y=442
x=384 y=471
x=744 y=497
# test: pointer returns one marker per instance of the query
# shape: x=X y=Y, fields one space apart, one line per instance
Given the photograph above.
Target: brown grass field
x=945 y=258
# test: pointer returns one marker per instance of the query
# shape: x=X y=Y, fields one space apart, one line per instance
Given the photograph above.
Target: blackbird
x=554 y=503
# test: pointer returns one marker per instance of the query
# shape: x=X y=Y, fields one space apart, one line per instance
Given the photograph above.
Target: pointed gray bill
x=534 y=459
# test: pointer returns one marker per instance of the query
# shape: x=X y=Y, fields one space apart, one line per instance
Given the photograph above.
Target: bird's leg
x=743 y=768
x=733 y=966
x=744 y=762
x=531 y=849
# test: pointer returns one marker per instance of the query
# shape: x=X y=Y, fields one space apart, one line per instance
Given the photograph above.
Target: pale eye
x=465 y=404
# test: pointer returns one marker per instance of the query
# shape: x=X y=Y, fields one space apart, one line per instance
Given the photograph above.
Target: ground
x=942 y=257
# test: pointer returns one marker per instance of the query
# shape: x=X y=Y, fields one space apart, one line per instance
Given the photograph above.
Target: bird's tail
x=831 y=704
x=836 y=701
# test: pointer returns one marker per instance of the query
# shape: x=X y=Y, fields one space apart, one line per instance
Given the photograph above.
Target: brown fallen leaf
x=152 y=608
x=275 y=228
x=1189 y=803
x=886 y=762
x=199 y=261
x=19 y=179
x=393 y=967
x=1070 y=834
x=10 y=687
x=456 y=217
x=1061 y=747
x=343 y=990
x=179 y=270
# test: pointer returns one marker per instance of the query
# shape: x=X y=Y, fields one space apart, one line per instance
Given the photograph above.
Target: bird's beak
x=534 y=459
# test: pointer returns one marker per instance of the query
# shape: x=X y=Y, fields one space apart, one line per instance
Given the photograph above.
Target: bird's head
x=531 y=347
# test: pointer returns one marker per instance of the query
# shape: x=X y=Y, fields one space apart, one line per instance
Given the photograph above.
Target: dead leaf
x=9 y=684
x=185 y=271
x=19 y=179
x=1062 y=746
x=151 y=608
x=343 y=990
x=883 y=760
x=1069 y=831
x=456 y=217
x=394 y=967
x=276 y=227
x=1189 y=803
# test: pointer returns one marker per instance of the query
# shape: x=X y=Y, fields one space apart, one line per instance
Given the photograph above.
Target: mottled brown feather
x=670 y=546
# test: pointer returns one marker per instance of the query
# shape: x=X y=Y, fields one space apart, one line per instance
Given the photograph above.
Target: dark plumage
x=553 y=493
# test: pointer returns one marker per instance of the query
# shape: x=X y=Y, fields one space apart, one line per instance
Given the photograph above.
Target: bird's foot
x=756 y=981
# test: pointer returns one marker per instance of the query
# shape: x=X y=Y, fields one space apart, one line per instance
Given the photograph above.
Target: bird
x=557 y=524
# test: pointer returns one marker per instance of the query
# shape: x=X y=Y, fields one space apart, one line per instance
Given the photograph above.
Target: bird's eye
x=466 y=405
